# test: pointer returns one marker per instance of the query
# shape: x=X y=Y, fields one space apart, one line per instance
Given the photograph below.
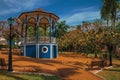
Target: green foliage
x=41 y=77
x=61 y=28
x=40 y=31
x=118 y=28
x=90 y=41
x=3 y=46
x=16 y=47
x=31 y=31
x=109 y=11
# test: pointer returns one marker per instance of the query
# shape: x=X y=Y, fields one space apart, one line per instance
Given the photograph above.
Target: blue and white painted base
x=40 y=50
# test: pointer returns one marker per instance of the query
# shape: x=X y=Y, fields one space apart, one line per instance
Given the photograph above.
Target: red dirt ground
x=67 y=66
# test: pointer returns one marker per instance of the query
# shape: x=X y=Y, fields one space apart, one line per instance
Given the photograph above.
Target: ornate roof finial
x=39 y=9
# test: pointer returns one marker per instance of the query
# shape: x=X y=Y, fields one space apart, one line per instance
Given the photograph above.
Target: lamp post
x=10 y=22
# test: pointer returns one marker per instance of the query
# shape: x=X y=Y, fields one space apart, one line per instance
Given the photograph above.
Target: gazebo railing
x=42 y=39
x=31 y=40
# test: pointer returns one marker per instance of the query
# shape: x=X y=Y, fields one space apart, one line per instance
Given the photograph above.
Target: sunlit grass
x=112 y=73
x=10 y=76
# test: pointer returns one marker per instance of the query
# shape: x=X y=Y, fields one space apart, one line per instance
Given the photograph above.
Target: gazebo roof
x=37 y=12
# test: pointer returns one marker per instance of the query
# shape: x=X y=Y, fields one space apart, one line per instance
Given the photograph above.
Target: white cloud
x=25 y=4
x=84 y=9
x=79 y=17
x=12 y=6
x=3 y=12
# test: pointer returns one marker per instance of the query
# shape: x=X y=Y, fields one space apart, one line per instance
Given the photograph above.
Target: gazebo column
x=45 y=29
x=36 y=35
x=36 y=41
x=50 y=23
x=22 y=30
x=36 y=29
x=26 y=26
x=55 y=30
x=23 y=33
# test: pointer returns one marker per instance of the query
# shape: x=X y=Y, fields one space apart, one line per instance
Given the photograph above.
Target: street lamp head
x=10 y=20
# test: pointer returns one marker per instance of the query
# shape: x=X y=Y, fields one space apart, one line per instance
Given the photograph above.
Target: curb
x=98 y=75
x=95 y=73
x=45 y=74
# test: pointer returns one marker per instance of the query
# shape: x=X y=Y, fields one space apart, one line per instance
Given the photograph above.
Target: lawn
x=11 y=76
x=112 y=73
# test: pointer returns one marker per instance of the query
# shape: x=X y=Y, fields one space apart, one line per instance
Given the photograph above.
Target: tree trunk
x=107 y=23
x=113 y=23
x=113 y=18
x=95 y=55
x=110 y=48
x=110 y=58
x=115 y=49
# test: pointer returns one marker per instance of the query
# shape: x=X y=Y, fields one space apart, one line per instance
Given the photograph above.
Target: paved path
x=68 y=67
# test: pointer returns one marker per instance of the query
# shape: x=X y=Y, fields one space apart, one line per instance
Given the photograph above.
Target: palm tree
x=61 y=28
x=105 y=14
x=109 y=10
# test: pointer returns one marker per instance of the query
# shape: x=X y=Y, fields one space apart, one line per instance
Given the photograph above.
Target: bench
x=99 y=63
x=3 y=65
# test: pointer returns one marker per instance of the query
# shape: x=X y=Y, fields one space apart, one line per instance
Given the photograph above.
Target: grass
x=111 y=73
x=11 y=76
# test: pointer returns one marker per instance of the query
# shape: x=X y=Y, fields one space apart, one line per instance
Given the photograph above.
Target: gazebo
x=37 y=28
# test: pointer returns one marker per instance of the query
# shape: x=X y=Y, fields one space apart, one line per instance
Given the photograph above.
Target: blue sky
x=73 y=11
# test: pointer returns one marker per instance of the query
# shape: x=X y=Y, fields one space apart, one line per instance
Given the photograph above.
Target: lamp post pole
x=10 y=22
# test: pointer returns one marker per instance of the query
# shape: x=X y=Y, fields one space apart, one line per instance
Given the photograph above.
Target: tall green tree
x=61 y=28
x=111 y=39
x=15 y=33
x=109 y=11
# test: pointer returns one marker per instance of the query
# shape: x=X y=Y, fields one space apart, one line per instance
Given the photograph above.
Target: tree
x=16 y=36
x=105 y=14
x=78 y=26
x=61 y=28
x=111 y=39
x=2 y=23
x=109 y=11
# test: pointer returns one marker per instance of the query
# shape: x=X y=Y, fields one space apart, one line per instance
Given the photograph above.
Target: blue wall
x=54 y=51
x=42 y=54
x=31 y=50
x=35 y=50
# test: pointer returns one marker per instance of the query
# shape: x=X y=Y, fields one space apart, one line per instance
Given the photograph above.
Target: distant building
x=72 y=28
x=3 y=41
